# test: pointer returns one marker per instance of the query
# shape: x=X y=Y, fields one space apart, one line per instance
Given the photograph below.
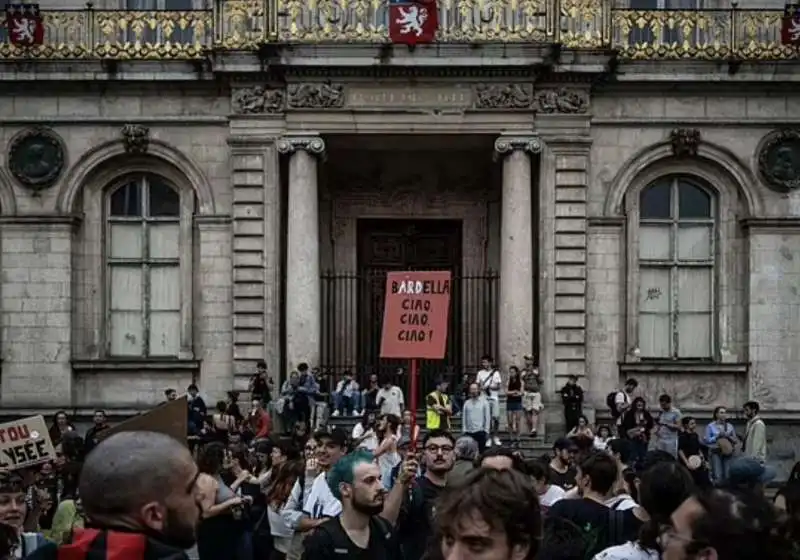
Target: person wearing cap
x=747 y=473
x=562 y=471
x=319 y=504
x=14 y=512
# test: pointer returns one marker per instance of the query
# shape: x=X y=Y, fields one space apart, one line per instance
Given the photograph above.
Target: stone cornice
x=28 y=220
x=606 y=221
x=778 y=223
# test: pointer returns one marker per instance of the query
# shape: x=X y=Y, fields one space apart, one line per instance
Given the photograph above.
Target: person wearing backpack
x=618 y=402
x=588 y=517
x=359 y=531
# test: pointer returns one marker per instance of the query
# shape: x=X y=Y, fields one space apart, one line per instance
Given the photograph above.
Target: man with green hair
x=360 y=530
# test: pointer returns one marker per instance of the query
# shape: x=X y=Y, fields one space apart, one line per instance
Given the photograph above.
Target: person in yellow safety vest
x=439 y=408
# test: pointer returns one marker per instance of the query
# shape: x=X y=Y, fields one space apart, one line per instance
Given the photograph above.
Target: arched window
x=143 y=274
x=676 y=254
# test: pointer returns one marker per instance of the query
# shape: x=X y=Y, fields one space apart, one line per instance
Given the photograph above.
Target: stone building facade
x=612 y=212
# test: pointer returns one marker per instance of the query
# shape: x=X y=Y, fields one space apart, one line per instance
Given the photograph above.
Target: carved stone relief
x=315 y=96
x=259 y=100
x=685 y=142
x=693 y=391
x=561 y=100
x=503 y=96
x=136 y=138
x=779 y=160
x=760 y=391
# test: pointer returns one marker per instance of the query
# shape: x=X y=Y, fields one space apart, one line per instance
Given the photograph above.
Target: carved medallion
x=503 y=96
x=563 y=100
x=136 y=138
x=36 y=157
x=316 y=96
x=258 y=100
x=685 y=142
x=779 y=160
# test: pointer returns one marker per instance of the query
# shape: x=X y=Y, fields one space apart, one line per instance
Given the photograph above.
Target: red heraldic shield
x=790 y=25
x=412 y=22
x=25 y=27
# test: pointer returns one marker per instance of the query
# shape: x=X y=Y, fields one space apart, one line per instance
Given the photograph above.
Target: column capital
x=504 y=145
x=310 y=143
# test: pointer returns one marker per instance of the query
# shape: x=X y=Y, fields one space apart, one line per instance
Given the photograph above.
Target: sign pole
x=413 y=400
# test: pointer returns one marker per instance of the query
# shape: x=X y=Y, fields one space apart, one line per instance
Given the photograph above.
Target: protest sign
x=24 y=443
x=415 y=314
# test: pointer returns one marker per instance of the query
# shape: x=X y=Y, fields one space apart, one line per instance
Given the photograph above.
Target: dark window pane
x=164 y=201
x=693 y=202
x=127 y=200
x=655 y=201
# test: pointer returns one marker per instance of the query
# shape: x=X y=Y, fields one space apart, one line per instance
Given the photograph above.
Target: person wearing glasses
x=415 y=521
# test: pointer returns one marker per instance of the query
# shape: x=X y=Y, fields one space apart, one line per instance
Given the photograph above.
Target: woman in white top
x=663 y=488
x=364 y=436
x=386 y=453
x=602 y=437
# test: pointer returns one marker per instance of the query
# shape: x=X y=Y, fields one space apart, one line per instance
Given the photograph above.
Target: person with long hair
x=283 y=480
x=514 y=404
x=637 y=426
x=222 y=422
x=720 y=437
x=386 y=453
x=60 y=426
x=221 y=529
x=662 y=489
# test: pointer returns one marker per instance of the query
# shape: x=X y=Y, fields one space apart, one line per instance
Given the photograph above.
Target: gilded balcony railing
x=117 y=34
x=248 y=24
x=699 y=34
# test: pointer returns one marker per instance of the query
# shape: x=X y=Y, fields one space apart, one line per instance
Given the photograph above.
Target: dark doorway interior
x=387 y=245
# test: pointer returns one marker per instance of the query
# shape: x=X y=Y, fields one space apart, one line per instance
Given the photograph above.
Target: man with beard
x=141 y=501
x=92 y=434
x=416 y=503
x=360 y=531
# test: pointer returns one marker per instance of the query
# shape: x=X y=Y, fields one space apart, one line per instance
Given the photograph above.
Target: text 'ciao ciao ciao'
x=417 y=307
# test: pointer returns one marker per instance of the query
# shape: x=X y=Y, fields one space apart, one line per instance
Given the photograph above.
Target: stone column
x=515 y=328
x=302 y=250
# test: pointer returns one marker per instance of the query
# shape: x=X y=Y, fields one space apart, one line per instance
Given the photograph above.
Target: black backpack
x=611 y=403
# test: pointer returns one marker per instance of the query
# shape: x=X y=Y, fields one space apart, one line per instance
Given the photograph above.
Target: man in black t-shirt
x=359 y=532
x=595 y=525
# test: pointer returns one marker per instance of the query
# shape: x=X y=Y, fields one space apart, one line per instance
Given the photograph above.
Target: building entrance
x=399 y=244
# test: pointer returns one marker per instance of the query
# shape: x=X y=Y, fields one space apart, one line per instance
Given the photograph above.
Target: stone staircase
x=529 y=446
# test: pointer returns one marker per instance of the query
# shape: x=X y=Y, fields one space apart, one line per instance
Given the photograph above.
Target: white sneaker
x=356 y=413
x=497 y=441
x=335 y=413
x=489 y=442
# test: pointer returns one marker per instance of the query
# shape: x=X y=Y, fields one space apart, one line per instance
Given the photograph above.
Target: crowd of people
x=277 y=483
x=145 y=496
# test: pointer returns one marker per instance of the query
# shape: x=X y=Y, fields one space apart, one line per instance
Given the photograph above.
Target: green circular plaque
x=36 y=157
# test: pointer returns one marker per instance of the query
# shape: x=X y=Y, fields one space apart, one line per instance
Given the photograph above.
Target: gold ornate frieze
x=119 y=34
x=699 y=34
x=250 y=25
x=478 y=97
